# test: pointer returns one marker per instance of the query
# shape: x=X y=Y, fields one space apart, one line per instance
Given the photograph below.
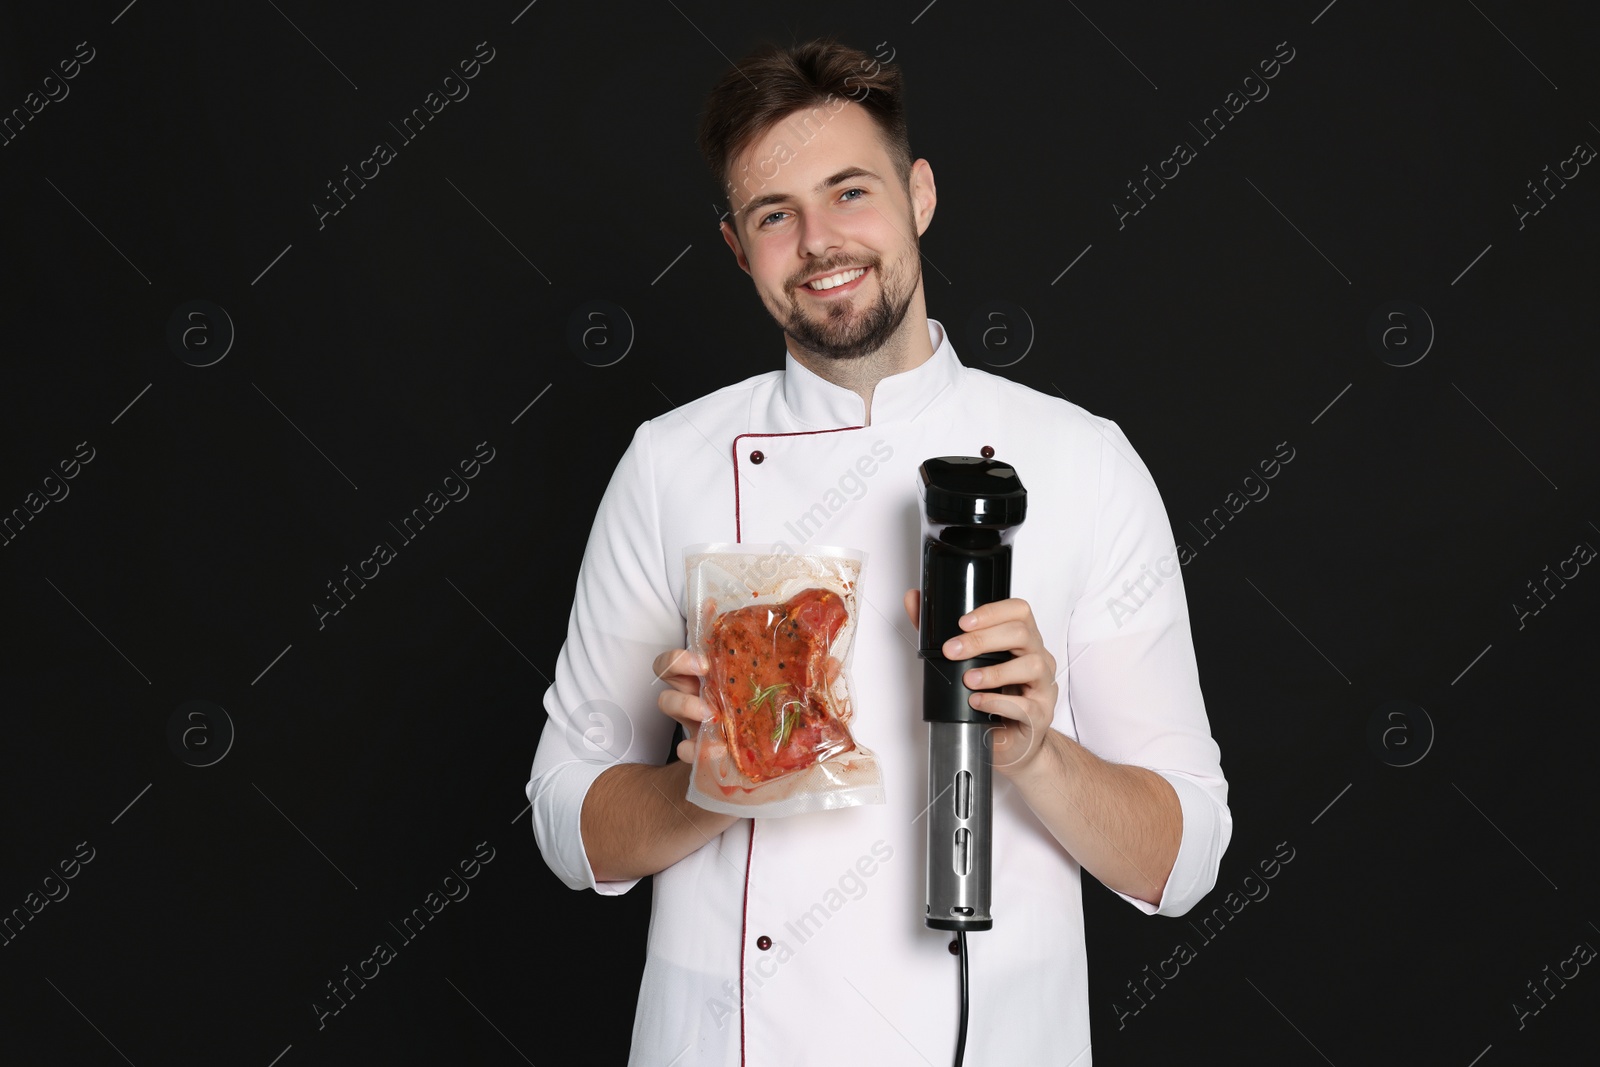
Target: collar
x=898 y=398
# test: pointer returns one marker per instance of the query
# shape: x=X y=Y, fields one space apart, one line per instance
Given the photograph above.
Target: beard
x=844 y=329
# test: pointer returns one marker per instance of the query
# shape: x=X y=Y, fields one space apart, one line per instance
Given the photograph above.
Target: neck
x=908 y=348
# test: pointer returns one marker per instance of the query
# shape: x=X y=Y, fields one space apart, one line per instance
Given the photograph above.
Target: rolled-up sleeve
x=601 y=709
x=1133 y=685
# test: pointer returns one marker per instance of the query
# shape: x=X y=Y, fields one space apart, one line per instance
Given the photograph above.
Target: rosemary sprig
x=786 y=720
x=786 y=724
x=764 y=694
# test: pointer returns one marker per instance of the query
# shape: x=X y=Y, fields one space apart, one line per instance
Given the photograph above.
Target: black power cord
x=961 y=1034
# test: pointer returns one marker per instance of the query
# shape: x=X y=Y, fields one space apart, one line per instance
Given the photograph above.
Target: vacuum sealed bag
x=776 y=628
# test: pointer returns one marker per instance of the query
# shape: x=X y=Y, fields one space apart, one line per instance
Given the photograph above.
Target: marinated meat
x=770 y=673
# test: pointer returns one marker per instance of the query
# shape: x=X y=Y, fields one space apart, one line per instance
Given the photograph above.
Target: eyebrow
x=848 y=174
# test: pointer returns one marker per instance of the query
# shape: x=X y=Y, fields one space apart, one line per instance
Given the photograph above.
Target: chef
x=800 y=940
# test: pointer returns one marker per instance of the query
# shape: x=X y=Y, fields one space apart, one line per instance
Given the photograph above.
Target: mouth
x=845 y=281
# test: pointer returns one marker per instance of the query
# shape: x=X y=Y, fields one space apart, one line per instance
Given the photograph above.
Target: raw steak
x=769 y=679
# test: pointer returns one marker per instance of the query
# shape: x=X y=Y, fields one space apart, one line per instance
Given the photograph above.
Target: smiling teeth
x=835 y=280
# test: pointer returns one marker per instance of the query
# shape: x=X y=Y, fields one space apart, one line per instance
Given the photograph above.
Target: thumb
x=913 y=602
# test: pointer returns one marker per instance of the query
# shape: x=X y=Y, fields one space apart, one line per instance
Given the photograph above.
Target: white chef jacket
x=800 y=940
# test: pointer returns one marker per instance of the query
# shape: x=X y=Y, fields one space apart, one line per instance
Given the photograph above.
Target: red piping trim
x=738 y=530
x=743 y=938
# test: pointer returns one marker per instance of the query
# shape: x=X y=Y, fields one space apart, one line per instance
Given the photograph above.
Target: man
x=800 y=940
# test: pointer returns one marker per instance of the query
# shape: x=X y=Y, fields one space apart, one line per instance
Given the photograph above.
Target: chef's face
x=815 y=197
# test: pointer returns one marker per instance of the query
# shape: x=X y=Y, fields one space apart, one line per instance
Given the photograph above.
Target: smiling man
x=1104 y=761
x=842 y=276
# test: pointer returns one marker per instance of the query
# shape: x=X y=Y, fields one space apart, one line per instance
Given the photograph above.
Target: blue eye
x=846 y=193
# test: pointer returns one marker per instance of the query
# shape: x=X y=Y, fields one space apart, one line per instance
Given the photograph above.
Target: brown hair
x=773 y=82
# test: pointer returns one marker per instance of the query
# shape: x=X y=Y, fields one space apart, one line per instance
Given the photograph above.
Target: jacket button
x=763 y=942
x=988 y=452
x=757 y=456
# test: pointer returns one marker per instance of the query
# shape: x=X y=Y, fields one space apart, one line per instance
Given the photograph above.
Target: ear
x=732 y=240
x=924 y=197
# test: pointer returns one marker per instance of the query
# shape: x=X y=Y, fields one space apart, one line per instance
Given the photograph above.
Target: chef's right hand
x=682 y=671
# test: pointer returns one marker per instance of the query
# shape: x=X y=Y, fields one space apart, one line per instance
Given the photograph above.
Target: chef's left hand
x=1027 y=682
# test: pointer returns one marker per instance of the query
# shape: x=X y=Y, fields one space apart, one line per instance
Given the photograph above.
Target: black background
x=372 y=753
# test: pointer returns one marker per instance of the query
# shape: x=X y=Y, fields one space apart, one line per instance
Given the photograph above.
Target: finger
x=685 y=683
x=663 y=663
x=686 y=708
x=913 y=602
x=1031 y=669
x=996 y=611
x=678 y=662
x=714 y=749
x=1014 y=636
x=1005 y=705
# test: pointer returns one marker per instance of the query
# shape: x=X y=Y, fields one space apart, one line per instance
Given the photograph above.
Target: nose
x=819 y=237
